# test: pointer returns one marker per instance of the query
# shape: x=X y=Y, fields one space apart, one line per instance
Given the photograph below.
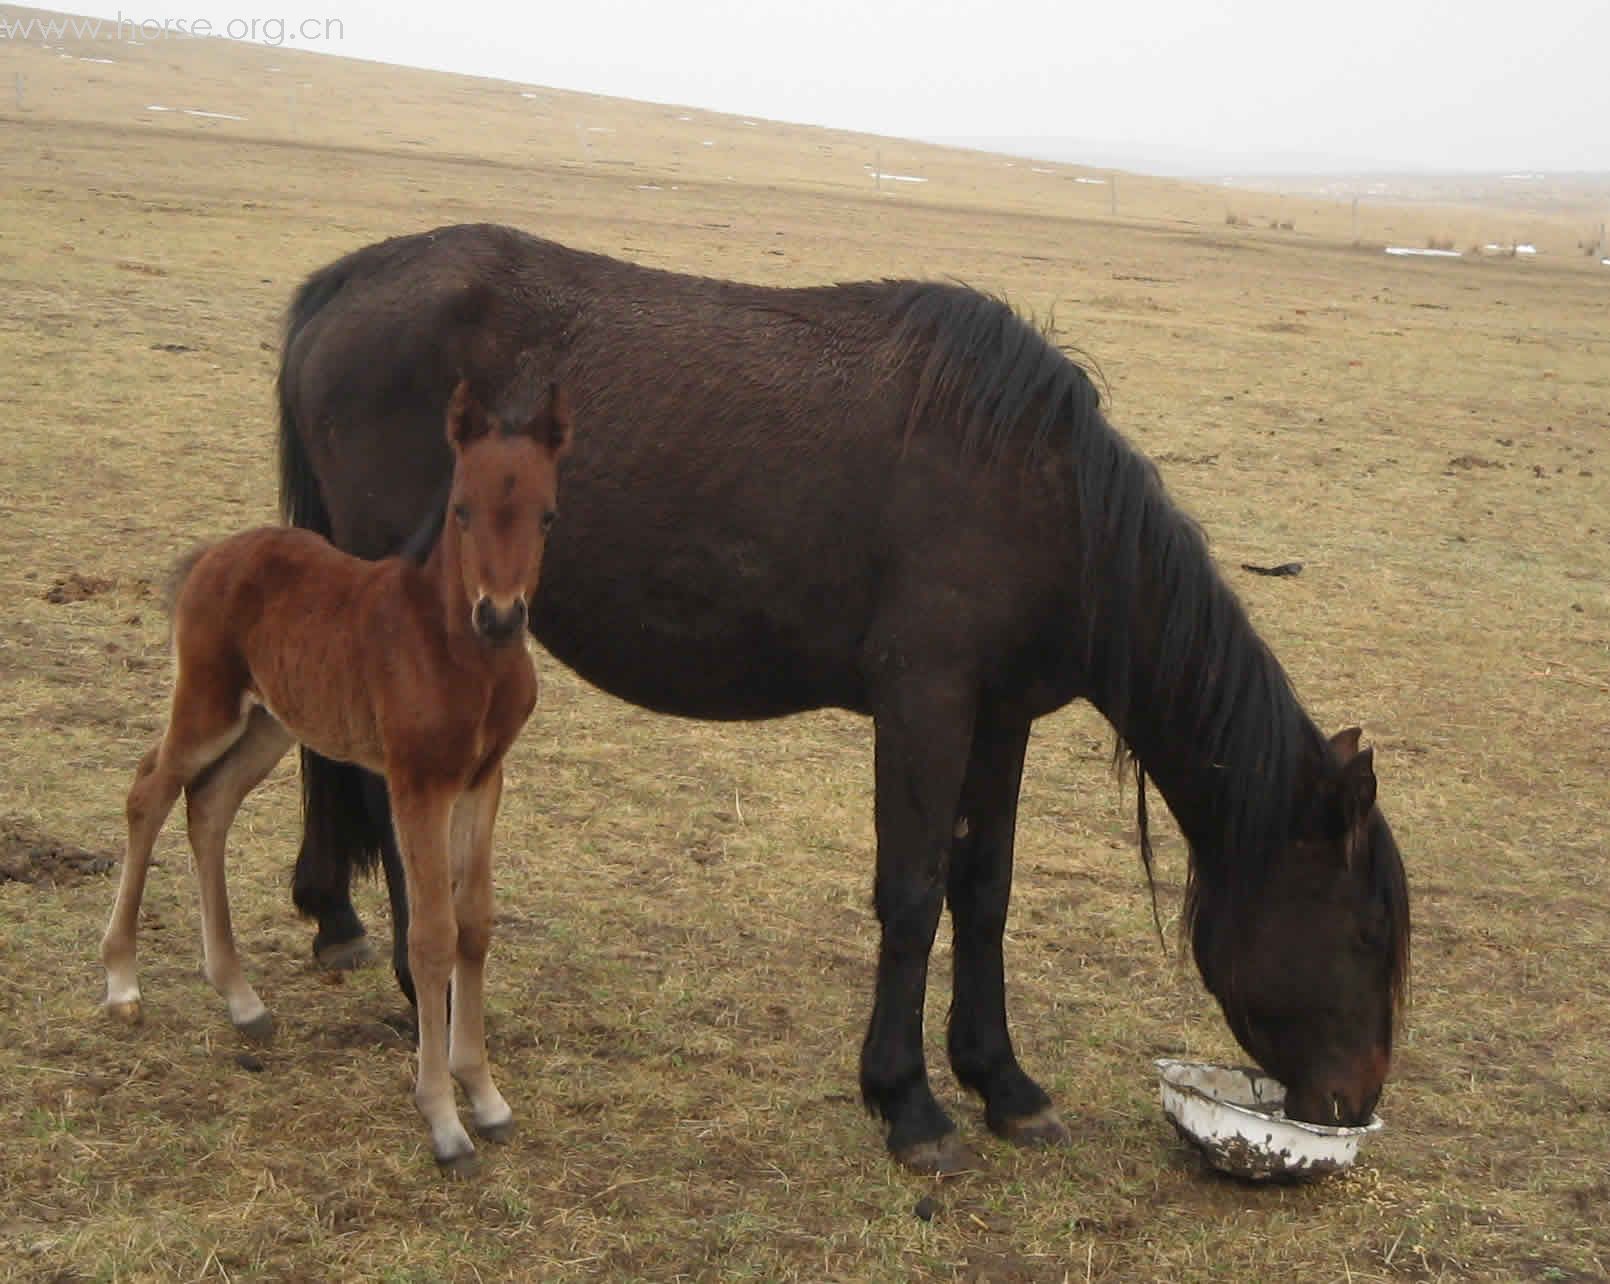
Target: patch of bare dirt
x=75 y=587
x=27 y=856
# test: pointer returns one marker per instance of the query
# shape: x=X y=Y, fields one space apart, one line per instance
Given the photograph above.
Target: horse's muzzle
x=499 y=625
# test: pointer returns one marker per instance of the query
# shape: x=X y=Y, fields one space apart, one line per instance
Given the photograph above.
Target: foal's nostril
x=499 y=625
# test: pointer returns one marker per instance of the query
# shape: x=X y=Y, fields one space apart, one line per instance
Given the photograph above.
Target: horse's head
x=502 y=505
x=1312 y=975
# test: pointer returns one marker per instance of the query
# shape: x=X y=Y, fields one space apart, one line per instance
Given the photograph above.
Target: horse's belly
x=714 y=640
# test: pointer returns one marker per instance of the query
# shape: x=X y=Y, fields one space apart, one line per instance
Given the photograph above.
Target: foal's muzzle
x=499 y=625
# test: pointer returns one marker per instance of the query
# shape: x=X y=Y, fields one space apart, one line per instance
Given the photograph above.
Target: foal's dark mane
x=1207 y=682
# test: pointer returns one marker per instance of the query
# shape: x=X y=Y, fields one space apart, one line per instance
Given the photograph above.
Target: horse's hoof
x=462 y=1166
x=497 y=1133
x=128 y=1013
x=1042 y=1128
x=944 y=1157
x=259 y=1030
x=345 y=956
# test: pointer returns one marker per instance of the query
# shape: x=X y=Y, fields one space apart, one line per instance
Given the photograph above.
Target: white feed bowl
x=1233 y=1115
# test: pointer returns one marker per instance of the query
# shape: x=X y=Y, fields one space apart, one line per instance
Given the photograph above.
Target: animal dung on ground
x=1285 y=568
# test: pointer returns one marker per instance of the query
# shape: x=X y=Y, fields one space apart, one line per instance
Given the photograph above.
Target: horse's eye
x=548 y=519
x=461 y=514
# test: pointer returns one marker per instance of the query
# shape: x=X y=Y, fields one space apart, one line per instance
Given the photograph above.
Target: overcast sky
x=1409 y=83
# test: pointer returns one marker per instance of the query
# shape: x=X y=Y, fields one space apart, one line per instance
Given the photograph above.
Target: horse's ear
x=1345 y=743
x=465 y=419
x=552 y=425
x=1356 y=791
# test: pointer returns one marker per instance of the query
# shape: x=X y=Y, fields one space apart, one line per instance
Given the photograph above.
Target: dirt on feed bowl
x=1234 y=1116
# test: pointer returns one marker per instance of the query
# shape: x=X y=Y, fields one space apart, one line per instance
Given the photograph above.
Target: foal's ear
x=551 y=426
x=466 y=420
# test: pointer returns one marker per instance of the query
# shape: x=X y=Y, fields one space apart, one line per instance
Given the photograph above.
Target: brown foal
x=418 y=672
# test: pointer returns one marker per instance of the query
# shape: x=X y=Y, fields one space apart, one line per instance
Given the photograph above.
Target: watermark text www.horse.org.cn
x=131 y=30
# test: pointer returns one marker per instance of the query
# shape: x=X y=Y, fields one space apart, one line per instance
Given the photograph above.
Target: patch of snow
x=523 y=94
x=901 y=178
x=1035 y=169
x=1526 y=249
x=1430 y=254
x=111 y=61
x=648 y=187
x=211 y=115
x=708 y=142
x=154 y=107
x=599 y=129
x=1099 y=182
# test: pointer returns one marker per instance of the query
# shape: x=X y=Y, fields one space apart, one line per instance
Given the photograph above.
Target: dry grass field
x=684 y=964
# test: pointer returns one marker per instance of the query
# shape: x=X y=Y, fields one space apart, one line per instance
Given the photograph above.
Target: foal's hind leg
x=212 y=801
x=206 y=720
x=150 y=799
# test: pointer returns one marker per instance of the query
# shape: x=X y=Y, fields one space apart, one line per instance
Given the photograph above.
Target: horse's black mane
x=1207 y=679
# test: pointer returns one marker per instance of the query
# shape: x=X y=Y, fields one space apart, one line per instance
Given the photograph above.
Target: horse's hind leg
x=979 y=887
x=212 y=801
x=473 y=820
x=924 y=725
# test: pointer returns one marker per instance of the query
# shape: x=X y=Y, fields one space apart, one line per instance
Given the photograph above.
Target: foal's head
x=505 y=480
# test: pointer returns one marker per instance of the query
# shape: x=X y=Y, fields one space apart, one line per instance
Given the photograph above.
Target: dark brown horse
x=896 y=498
x=418 y=672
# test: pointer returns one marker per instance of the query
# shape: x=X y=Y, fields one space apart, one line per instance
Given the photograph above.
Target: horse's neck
x=1212 y=720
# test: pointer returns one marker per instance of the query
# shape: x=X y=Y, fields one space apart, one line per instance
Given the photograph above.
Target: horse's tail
x=301 y=499
x=339 y=830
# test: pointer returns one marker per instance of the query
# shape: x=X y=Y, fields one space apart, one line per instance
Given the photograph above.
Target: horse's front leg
x=924 y=724
x=980 y=886
x=473 y=820
x=424 y=816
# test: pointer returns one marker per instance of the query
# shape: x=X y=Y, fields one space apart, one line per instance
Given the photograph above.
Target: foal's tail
x=339 y=828
x=174 y=584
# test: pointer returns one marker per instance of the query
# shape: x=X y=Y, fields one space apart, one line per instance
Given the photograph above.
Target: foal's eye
x=461 y=514
x=548 y=519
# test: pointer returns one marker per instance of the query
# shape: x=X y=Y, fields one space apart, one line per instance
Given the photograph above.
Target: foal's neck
x=441 y=572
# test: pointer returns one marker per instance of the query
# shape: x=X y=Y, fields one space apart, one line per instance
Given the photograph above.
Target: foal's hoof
x=128 y=1013
x=944 y=1157
x=497 y=1133
x=461 y=1166
x=259 y=1030
x=1042 y=1128
x=345 y=956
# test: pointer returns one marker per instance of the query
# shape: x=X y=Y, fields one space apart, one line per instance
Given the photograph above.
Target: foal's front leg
x=424 y=817
x=473 y=819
